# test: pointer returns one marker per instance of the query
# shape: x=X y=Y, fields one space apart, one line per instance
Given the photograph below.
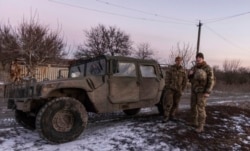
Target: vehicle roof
x=123 y=58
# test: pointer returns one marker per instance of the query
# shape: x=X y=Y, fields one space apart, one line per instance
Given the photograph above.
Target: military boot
x=200 y=128
x=165 y=119
x=173 y=118
x=194 y=124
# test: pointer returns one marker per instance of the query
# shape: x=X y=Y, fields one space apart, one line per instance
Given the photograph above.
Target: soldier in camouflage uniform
x=15 y=71
x=175 y=83
x=202 y=81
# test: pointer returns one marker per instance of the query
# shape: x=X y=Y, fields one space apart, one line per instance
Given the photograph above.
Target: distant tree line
x=38 y=44
x=232 y=73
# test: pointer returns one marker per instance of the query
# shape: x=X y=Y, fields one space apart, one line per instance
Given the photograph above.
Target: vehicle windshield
x=77 y=71
x=97 y=67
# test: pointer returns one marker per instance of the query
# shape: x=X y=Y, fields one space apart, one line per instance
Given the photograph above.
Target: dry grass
x=232 y=88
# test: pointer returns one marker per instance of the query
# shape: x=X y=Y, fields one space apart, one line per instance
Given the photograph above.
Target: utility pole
x=199 y=35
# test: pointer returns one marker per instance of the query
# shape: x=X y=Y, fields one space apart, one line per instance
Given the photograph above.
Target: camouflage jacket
x=202 y=79
x=176 y=78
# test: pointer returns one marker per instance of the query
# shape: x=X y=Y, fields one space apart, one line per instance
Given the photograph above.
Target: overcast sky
x=225 y=33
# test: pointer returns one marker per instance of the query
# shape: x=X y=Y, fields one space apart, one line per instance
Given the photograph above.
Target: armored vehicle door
x=123 y=84
x=149 y=82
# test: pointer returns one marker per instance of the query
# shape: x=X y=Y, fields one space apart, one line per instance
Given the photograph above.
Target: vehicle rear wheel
x=25 y=120
x=160 y=108
x=132 y=111
x=61 y=120
x=160 y=104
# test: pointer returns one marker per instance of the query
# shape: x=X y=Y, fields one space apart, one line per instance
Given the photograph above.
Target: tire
x=160 y=104
x=25 y=120
x=61 y=120
x=132 y=111
x=160 y=109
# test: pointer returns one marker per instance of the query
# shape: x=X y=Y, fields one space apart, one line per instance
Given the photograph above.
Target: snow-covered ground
x=143 y=132
x=118 y=133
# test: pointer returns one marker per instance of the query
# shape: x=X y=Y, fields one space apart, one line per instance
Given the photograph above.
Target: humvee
x=58 y=109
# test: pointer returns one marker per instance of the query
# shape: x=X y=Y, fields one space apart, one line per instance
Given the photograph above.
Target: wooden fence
x=49 y=72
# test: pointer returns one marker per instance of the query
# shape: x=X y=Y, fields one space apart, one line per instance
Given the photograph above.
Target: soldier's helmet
x=200 y=75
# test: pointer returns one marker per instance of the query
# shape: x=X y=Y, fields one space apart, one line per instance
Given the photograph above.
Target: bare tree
x=144 y=51
x=36 y=43
x=8 y=44
x=231 y=74
x=102 y=40
x=231 y=65
x=185 y=51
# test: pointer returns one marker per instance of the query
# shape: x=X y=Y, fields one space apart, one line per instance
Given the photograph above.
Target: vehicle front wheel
x=61 y=120
x=132 y=111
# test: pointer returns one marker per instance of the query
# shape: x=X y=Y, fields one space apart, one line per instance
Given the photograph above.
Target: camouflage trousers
x=171 y=102
x=198 y=108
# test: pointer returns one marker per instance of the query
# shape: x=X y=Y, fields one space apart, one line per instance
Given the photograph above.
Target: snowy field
x=228 y=128
x=118 y=133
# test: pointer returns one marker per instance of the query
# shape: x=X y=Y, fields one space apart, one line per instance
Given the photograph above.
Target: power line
x=225 y=39
x=144 y=12
x=155 y=15
x=176 y=20
x=116 y=14
x=227 y=17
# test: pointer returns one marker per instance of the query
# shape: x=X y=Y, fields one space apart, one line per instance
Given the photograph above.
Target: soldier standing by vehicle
x=15 y=71
x=202 y=81
x=175 y=83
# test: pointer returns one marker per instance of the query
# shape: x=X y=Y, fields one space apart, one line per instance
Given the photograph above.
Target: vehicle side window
x=147 y=71
x=126 y=69
x=96 y=67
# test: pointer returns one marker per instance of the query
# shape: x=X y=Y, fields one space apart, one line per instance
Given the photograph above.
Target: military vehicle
x=58 y=109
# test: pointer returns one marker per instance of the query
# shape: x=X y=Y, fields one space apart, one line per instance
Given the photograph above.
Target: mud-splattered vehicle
x=58 y=108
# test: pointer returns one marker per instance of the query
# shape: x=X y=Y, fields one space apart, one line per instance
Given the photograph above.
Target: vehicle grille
x=20 y=90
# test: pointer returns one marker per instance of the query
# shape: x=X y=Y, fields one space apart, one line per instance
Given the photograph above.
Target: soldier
x=175 y=83
x=15 y=71
x=202 y=81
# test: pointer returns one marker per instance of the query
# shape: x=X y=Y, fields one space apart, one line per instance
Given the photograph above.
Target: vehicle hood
x=89 y=83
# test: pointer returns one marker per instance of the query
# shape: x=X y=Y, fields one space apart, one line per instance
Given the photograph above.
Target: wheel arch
x=77 y=93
